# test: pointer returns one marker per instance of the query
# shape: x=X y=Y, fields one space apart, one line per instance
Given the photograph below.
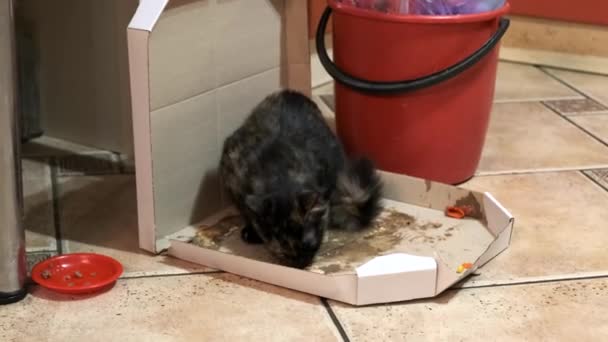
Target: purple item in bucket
x=479 y=6
x=452 y=7
x=428 y=7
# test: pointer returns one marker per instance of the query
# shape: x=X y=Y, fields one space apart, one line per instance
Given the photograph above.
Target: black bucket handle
x=401 y=86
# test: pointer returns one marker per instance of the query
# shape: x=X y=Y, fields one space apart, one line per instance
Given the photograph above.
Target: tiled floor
x=545 y=159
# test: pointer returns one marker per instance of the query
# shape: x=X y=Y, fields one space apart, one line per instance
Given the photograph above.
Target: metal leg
x=12 y=236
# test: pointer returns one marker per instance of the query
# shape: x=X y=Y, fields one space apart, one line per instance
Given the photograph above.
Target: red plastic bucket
x=414 y=93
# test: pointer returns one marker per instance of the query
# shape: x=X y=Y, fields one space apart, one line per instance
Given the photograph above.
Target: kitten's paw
x=249 y=235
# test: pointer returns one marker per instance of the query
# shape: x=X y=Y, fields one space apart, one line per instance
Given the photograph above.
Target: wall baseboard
x=557 y=43
x=592 y=64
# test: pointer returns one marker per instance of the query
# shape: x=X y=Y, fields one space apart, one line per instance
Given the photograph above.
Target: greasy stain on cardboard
x=341 y=251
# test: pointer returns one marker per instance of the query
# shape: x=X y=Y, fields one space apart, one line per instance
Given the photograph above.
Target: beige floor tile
x=595 y=124
x=519 y=82
x=594 y=86
x=330 y=102
x=600 y=176
x=327 y=112
x=93 y=163
x=34 y=258
x=99 y=214
x=578 y=107
x=568 y=311
x=529 y=137
x=326 y=89
x=38 y=205
x=560 y=221
x=184 y=308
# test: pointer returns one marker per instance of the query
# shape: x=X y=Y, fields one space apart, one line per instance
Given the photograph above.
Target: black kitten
x=285 y=171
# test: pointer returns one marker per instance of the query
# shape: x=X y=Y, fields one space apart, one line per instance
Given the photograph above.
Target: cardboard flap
x=147 y=14
x=499 y=218
x=411 y=252
x=191 y=88
x=387 y=278
x=499 y=223
x=498 y=246
x=433 y=195
x=339 y=287
x=396 y=263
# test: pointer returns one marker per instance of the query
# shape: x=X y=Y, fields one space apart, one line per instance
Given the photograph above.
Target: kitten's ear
x=307 y=200
x=258 y=204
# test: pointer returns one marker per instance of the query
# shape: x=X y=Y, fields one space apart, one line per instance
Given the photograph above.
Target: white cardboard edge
x=395 y=264
x=137 y=42
x=396 y=277
x=497 y=216
x=501 y=243
x=499 y=224
x=390 y=278
x=147 y=14
x=340 y=287
x=186 y=234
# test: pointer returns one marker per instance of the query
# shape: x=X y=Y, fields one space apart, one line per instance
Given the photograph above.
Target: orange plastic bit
x=455 y=212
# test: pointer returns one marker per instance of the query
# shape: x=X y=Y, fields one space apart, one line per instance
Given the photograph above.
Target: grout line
x=586 y=114
x=537 y=99
x=533 y=282
x=578 y=91
x=567 y=118
x=572 y=87
x=589 y=133
x=587 y=72
x=214 y=89
x=322 y=85
x=604 y=187
x=335 y=319
x=56 y=205
x=537 y=171
x=507 y=61
x=170 y=275
x=32 y=283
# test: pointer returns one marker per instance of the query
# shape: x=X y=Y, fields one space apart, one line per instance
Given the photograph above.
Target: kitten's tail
x=356 y=201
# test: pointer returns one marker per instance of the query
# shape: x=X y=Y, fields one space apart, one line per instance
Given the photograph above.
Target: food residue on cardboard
x=458 y=212
x=472 y=207
x=344 y=251
x=464 y=266
x=212 y=236
x=341 y=251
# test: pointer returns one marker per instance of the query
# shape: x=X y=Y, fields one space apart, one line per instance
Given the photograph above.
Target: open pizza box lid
x=181 y=120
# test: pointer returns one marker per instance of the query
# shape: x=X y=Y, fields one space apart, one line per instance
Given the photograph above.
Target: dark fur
x=285 y=171
x=355 y=203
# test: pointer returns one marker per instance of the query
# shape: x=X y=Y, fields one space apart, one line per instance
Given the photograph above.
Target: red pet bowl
x=77 y=273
